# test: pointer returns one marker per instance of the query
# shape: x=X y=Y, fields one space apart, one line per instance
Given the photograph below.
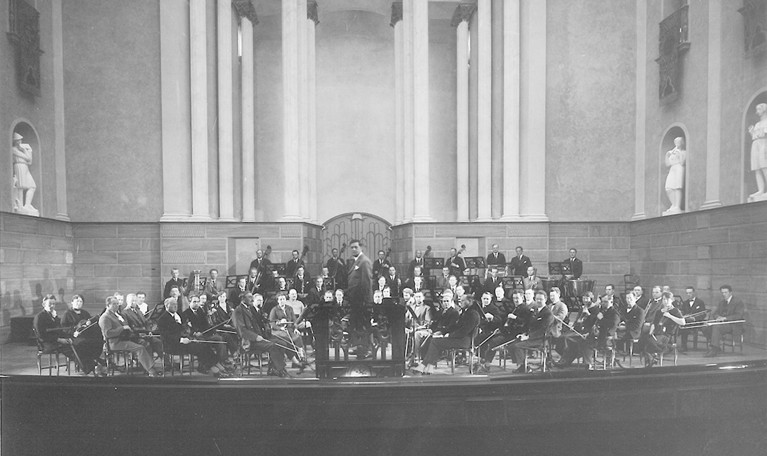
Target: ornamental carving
x=246 y=9
x=673 y=42
x=24 y=33
x=754 y=25
x=396 y=13
x=462 y=13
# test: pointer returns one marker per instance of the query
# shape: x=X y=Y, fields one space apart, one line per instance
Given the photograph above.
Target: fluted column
x=511 y=110
x=248 y=119
x=290 y=112
x=421 y=144
x=714 y=106
x=199 y=99
x=641 y=110
x=302 y=167
x=460 y=21
x=484 y=111
x=225 y=102
x=533 y=138
x=399 y=143
x=407 y=106
x=312 y=19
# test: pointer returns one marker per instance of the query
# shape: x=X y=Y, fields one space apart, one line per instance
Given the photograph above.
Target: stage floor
x=19 y=359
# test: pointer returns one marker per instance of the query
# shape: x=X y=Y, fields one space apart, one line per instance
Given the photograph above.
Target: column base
x=227 y=219
x=535 y=218
x=511 y=218
x=422 y=219
x=62 y=217
x=293 y=218
x=200 y=218
x=483 y=219
x=710 y=205
x=175 y=218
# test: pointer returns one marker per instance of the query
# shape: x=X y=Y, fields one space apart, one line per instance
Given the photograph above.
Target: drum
x=577 y=288
x=547 y=284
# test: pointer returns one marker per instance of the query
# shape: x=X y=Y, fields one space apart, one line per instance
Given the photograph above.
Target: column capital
x=396 y=13
x=312 y=12
x=463 y=12
x=245 y=8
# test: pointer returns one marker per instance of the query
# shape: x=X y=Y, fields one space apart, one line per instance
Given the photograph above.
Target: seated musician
x=619 y=305
x=662 y=330
x=540 y=319
x=458 y=336
x=393 y=281
x=417 y=322
x=381 y=284
x=141 y=302
x=51 y=336
x=532 y=281
x=196 y=317
x=220 y=314
x=254 y=333
x=417 y=282
x=653 y=306
x=407 y=298
x=582 y=328
x=500 y=299
x=86 y=337
x=213 y=285
x=234 y=296
x=492 y=282
x=599 y=331
x=458 y=293
x=729 y=309
x=514 y=324
x=116 y=332
x=139 y=323
x=443 y=320
x=301 y=283
x=316 y=291
x=529 y=297
x=693 y=309
x=632 y=322
x=559 y=311
x=284 y=331
x=178 y=339
x=443 y=281
x=492 y=318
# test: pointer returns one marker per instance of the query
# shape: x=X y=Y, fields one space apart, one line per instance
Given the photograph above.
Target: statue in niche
x=758 y=134
x=23 y=183
x=675 y=159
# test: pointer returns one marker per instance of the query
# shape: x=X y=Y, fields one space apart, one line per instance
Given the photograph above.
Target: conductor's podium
x=335 y=336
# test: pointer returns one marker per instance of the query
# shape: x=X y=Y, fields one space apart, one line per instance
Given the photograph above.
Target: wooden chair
x=470 y=349
x=541 y=354
x=245 y=358
x=52 y=353
x=113 y=359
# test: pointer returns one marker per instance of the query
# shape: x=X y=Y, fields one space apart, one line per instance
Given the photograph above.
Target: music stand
x=475 y=262
x=279 y=268
x=559 y=268
x=231 y=281
x=433 y=263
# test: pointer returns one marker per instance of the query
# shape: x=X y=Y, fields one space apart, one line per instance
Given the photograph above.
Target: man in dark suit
x=492 y=282
x=196 y=317
x=360 y=295
x=496 y=258
x=176 y=341
x=417 y=282
x=381 y=265
x=455 y=263
x=261 y=262
x=576 y=265
x=520 y=263
x=175 y=281
x=292 y=266
x=394 y=282
x=693 y=309
x=45 y=324
x=633 y=320
x=540 y=319
x=641 y=299
x=336 y=269
x=251 y=326
x=729 y=309
x=213 y=285
x=653 y=306
x=416 y=262
x=316 y=291
x=301 y=283
x=235 y=293
x=254 y=281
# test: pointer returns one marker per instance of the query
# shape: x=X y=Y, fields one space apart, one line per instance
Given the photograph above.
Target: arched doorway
x=373 y=231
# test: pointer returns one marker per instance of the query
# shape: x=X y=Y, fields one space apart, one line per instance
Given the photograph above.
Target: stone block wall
x=36 y=255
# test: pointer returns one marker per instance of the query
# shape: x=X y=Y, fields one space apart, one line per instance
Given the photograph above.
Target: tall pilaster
x=714 y=106
x=290 y=112
x=59 y=150
x=199 y=100
x=641 y=110
x=511 y=87
x=460 y=21
x=225 y=103
x=302 y=165
x=533 y=137
x=484 y=110
x=407 y=106
x=312 y=19
x=399 y=142
x=496 y=128
x=421 y=144
x=248 y=20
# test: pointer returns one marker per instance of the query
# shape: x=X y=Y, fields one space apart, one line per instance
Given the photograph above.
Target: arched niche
x=30 y=137
x=674 y=131
x=750 y=118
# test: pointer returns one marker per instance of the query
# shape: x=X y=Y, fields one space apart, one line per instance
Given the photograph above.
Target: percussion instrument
x=548 y=284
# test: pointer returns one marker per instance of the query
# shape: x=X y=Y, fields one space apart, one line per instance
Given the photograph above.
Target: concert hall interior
x=529 y=215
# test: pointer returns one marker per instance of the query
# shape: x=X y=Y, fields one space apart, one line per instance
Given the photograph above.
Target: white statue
x=23 y=183
x=759 y=153
x=675 y=159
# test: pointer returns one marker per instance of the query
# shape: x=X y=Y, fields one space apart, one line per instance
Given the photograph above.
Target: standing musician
x=416 y=262
x=693 y=309
x=539 y=322
x=730 y=308
x=177 y=338
x=139 y=323
x=381 y=265
x=196 y=318
x=284 y=332
x=393 y=281
x=455 y=263
x=293 y=264
x=337 y=269
x=175 y=281
x=86 y=340
x=213 y=285
x=576 y=266
x=496 y=258
x=115 y=328
x=255 y=335
x=531 y=281
x=662 y=329
x=261 y=262
x=458 y=336
x=417 y=322
x=520 y=263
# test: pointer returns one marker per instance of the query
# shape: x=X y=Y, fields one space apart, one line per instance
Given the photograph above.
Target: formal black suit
x=44 y=321
x=315 y=296
x=301 y=285
x=381 y=267
x=234 y=297
x=537 y=327
x=172 y=332
x=491 y=284
x=456 y=264
x=413 y=263
x=252 y=329
x=410 y=283
x=459 y=336
x=394 y=284
x=337 y=270
x=690 y=307
x=519 y=265
x=262 y=264
x=576 y=267
x=292 y=266
x=178 y=283
x=496 y=259
x=735 y=309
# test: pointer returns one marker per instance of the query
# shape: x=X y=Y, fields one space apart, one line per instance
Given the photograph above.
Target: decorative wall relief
x=754 y=25
x=673 y=43
x=24 y=33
